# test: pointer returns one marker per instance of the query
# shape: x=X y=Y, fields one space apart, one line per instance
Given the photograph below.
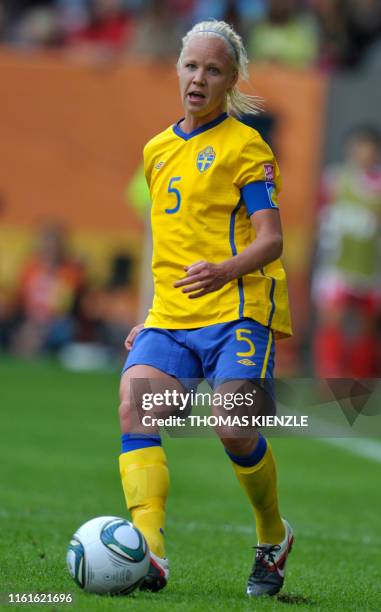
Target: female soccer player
x=220 y=290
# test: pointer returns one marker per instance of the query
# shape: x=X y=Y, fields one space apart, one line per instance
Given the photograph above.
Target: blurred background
x=85 y=84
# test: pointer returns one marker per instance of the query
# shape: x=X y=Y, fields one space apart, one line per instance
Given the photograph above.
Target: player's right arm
x=205 y=277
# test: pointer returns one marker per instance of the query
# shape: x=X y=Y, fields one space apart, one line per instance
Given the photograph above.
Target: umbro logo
x=159 y=165
x=246 y=362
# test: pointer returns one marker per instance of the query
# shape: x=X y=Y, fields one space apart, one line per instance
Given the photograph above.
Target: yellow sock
x=260 y=483
x=145 y=481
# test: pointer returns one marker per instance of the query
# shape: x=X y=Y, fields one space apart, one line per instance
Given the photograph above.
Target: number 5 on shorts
x=239 y=334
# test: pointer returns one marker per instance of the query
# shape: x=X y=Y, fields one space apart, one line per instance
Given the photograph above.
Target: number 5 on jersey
x=176 y=193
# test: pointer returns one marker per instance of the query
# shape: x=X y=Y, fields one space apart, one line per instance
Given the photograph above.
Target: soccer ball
x=108 y=555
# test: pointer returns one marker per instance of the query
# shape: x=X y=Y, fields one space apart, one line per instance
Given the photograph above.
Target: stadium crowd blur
x=346 y=284
x=55 y=304
x=327 y=34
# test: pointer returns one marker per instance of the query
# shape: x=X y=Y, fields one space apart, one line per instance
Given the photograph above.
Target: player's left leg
x=244 y=351
x=254 y=465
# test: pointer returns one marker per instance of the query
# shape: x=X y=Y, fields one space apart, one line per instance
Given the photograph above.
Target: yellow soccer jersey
x=197 y=182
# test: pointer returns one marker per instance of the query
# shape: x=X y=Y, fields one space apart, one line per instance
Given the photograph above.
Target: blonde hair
x=238 y=102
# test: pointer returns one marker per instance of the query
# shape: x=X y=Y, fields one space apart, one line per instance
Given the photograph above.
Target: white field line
x=234 y=528
x=246 y=530
x=362 y=447
x=333 y=434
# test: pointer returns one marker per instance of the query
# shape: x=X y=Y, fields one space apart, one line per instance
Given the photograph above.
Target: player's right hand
x=129 y=341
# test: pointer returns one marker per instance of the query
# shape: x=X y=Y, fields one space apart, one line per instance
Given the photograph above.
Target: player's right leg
x=143 y=467
x=157 y=360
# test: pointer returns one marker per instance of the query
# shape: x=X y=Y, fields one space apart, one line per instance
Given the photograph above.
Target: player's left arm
x=205 y=277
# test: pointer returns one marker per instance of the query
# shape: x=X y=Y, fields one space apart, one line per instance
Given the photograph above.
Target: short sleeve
x=257 y=163
x=257 y=175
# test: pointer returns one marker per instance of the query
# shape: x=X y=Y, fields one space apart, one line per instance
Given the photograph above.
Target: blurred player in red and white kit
x=346 y=285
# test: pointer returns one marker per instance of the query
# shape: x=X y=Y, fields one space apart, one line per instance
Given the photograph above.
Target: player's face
x=205 y=75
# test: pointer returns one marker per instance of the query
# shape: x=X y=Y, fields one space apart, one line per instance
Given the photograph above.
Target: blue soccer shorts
x=240 y=349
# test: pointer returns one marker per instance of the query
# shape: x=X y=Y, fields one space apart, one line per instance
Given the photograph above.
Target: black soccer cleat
x=268 y=571
x=157 y=576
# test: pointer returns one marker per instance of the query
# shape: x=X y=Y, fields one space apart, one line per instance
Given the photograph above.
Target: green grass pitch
x=59 y=449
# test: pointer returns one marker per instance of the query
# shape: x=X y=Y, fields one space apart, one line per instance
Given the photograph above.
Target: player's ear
x=234 y=79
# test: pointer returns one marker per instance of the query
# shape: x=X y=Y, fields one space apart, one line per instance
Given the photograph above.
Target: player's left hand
x=201 y=278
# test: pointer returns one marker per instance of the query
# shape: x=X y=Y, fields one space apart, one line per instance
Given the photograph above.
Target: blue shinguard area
x=254 y=457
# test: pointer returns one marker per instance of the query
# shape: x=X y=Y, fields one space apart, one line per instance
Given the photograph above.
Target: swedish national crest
x=205 y=159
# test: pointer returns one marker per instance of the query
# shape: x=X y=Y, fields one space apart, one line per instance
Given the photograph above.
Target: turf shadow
x=289 y=598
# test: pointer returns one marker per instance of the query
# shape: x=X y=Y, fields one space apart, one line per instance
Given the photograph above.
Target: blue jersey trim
x=256 y=196
x=271 y=297
x=271 y=359
x=241 y=297
x=272 y=290
x=179 y=132
x=234 y=252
